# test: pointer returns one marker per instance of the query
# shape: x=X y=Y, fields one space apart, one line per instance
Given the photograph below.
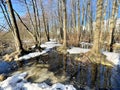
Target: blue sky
x=20 y=8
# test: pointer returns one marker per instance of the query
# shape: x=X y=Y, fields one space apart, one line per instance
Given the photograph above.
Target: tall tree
x=103 y=22
x=96 y=42
x=78 y=25
x=44 y=21
x=112 y=25
x=18 y=42
x=64 y=23
x=89 y=20
x=60 y=18
x=31 y=23
x=36 y=19
x=73 y=4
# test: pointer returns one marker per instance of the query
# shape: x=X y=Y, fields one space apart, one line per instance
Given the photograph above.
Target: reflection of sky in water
x=105 y=76
x=6 y=67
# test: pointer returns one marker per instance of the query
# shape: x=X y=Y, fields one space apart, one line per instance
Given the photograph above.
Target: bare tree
x=112 y=25
x=34 y=24
x=96 y=39
x=64 y=23
x=44 y=21
x=60 y=18
x=89 y=20
x=18 y=43
x=73 y=4
x=78 y=25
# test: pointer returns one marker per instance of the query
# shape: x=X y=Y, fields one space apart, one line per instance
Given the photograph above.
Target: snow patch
x=48 y=46
x=18 y=82
x=77 y=50
x=111 y=56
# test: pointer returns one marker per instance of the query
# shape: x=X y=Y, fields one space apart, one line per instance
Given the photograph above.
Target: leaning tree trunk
x=112 y=26
x=64 y=23
x=96 y=42
x=18 y=42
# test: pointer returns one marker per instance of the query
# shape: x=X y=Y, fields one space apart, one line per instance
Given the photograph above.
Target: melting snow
x=48 y=46
x=111 y=56
x=114 y=57
x=77 y=50
x=18 y=82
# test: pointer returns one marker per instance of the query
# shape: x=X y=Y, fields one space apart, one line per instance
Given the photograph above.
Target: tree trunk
x=96 y=42
x=112 y=26
x=90 y=21
x=82 y=33
x=64 y=23
x=44 y=21
x=60 y=18
x=36 y=33
x=78 y=26
x=103 y=23
x=35 y=38
x=18 y=43
x=73 y=4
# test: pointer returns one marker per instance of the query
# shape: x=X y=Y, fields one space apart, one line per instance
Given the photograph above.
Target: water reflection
x=54 y=66
x=94 y=76
x=7 y=67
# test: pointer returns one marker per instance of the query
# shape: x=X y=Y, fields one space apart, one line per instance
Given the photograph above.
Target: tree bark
x=89 y=20
x=60 y=18
x=78 y=26
x=64 y=23
x=103 y=23
x=18 y=42
x=96 y=42
x=44 y=21
x=112 y=26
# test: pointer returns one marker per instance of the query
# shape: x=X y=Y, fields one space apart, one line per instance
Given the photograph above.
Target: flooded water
x=53 y=67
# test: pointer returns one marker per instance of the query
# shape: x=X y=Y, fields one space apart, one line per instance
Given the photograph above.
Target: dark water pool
x=54 y=67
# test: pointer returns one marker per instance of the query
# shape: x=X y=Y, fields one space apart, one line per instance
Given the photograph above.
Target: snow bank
x=48 y=46
x=77 y=50
x=18 y=82
x=111 y=56
x=114 y=57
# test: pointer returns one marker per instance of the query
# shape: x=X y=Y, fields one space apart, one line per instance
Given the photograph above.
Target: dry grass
x=72 y=40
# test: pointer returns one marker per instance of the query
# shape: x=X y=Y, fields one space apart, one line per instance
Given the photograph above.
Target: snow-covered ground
x=50 y=44
x=47 y=45
x=111 y=56
x=18 y=82
x=77 y=50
